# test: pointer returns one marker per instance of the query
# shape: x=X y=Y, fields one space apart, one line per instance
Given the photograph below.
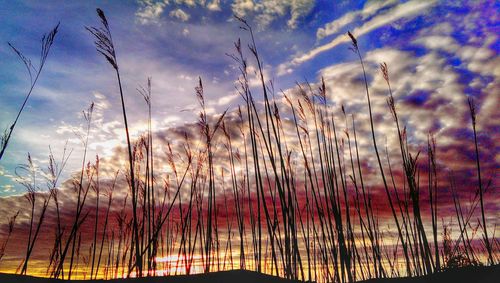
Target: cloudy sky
x=439 y=52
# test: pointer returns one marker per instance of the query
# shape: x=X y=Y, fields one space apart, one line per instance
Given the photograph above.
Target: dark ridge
x=232 y=276
x=470 y=274
x=475 y=274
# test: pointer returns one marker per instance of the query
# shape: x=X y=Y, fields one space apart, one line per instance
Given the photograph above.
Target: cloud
x=7 y=188
x=225 y=100
x=368 y=10
x=149 y=12
x=214 y=5
x=335 y=26
x=242 y=7
x=476 y=55
x=254 y=79
x=267 y=11
x=189 y=3
x=408 y=9
x=179 y=14
x=299 y=9
x=446 y=43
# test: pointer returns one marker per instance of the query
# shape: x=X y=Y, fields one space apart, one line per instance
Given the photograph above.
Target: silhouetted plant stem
x=104 y=45
x=472 y=109
x=47 y=41
x=356 y=50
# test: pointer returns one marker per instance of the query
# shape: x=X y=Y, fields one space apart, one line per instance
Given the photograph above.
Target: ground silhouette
x=490 y=274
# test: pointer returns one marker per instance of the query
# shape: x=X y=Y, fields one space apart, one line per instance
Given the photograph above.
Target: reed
x=12 y=222
x=280 y=185
x=82 y=192
x=28 y=177
x=472 y=110
x=34 y=74
x=104 y=45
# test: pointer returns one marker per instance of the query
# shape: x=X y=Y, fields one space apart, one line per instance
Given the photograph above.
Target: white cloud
x=179 y=14
x=190 y=3
x=150 y=12
x=476 y=54
x=214 y=5
x=442 y=109
x=370 y=9
x=267 y=11
x=254 y=75
x=446 y=43
x=299 y=9
x=172 y=119
x=242 y=7
x=185 y=77
x=8 y=188
x=226 y=99
x=336 y=25
x=408 y=9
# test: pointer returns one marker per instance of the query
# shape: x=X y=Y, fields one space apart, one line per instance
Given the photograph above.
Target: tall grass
x=34 y=74
x=280 y=185
x=12 y=222
x=28 y=176
x=472 y=109
x=105 y=46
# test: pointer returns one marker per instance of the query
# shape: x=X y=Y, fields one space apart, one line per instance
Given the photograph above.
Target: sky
x=175 y=42
x=439 y=53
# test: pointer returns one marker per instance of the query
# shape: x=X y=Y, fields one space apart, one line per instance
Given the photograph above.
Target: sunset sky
x=438 y=53
x=174 y=42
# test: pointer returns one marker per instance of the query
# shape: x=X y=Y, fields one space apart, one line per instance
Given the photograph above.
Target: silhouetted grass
x=277 y=186
x=34 y=74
